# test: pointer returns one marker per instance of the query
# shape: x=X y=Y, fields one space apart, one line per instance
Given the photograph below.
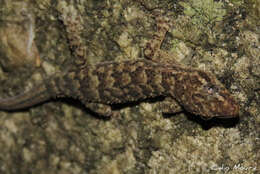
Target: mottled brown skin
x=112 y=82
x=104 y=84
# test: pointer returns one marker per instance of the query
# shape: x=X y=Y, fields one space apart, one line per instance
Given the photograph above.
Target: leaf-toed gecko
x=104 y=84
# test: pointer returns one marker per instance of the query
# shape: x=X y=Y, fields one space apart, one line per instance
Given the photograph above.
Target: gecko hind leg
x=100 y=109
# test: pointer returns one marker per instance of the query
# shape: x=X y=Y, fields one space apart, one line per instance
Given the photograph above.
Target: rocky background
x=63 y=137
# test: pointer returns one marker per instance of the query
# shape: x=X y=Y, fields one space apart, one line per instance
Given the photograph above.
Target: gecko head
x=200 y=93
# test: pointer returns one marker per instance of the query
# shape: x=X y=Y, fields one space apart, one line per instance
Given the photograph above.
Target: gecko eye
x=211 y=89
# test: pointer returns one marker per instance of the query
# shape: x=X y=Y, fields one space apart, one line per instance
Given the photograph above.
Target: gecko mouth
x=221 y=117
x=228 y=116
x=232 y=111
x=205 y=118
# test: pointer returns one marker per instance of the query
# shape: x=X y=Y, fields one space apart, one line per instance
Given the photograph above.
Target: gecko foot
x=100 y=109
x=169 y=106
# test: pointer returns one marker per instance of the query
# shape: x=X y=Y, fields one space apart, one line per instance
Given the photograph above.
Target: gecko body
x=104 y=84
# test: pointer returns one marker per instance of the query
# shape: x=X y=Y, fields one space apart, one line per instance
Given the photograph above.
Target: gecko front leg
x=169 y=106
x=153 y=48
x=100 y=109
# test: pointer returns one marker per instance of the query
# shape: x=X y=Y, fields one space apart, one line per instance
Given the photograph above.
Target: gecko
x=107 y=83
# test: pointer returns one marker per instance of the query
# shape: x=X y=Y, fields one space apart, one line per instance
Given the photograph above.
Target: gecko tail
x=27 y=99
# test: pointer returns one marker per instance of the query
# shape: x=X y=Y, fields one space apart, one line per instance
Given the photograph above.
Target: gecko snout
x=230 y=108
